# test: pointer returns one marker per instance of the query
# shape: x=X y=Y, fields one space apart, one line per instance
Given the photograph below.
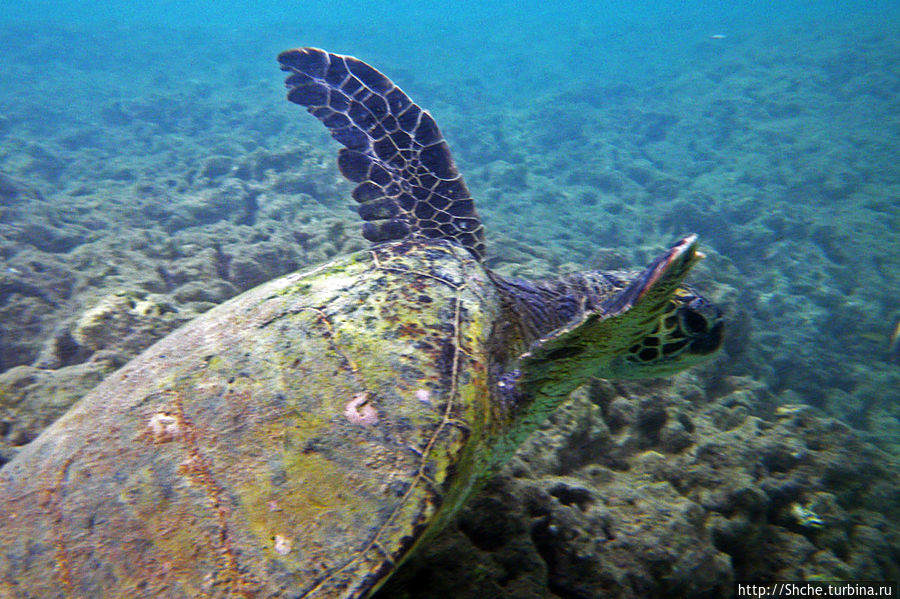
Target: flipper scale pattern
x=408 y=184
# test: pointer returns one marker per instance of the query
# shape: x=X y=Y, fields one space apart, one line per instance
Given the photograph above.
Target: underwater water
x=151 y=168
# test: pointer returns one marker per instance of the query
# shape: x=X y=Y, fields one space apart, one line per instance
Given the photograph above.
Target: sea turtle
x=302 y=438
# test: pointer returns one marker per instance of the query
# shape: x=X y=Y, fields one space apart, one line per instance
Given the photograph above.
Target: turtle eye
x=698 y=315
x=698 y=323
x=701 y=323
x=708 y=342
x=694 y=323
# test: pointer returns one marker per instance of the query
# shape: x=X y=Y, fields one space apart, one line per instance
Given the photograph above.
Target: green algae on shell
x=238 y=434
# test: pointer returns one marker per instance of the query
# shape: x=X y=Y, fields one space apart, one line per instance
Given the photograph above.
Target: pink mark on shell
x=282 y=545
x=359 y=411
x=163 y=427
x=423 y=395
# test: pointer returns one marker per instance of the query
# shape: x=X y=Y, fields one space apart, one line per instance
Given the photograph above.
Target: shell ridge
x=198 y=467
x=421 y=476
x=56 y=500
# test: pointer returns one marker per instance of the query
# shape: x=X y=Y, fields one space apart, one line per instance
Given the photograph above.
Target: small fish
x=894 y=346
x=718 y=36
x=790 y=409
x=806 y=517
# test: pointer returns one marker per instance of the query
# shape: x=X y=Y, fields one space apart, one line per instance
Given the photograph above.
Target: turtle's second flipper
x=408 y=183
x=653 y=327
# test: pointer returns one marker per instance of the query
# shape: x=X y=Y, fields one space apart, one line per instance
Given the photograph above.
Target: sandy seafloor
x=150 y=168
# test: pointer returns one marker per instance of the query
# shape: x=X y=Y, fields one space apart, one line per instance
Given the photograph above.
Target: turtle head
x=688 y=331
x=654 y=325
x=647 y=324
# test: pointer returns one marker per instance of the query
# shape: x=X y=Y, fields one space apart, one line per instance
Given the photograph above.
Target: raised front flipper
x=652 y=313
x=408 y=183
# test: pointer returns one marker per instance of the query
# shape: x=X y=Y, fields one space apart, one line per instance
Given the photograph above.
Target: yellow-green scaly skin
x=294 y=442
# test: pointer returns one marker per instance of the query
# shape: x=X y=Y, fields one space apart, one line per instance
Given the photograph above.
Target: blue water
x=769 y=128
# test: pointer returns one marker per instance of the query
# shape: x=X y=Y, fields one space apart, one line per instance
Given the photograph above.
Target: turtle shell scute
x=295 y=441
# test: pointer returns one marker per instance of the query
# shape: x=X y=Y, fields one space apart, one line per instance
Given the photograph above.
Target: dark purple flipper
x=408 y=183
